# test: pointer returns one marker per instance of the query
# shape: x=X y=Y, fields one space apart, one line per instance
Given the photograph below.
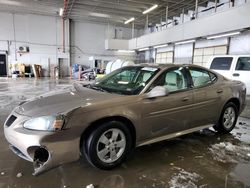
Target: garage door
x=164 y=57
x=202 y=55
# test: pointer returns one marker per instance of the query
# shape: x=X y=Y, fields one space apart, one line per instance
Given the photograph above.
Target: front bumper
x=44 y=149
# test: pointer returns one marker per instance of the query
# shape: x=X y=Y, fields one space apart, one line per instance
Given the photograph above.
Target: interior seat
x=171 y=81
x=201 y=80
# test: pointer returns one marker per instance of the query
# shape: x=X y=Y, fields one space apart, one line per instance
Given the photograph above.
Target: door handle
x=236 y=74
x=220 y=91
x=185 y=99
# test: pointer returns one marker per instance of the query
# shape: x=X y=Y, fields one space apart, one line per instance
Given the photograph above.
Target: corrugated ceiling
x=104 y=11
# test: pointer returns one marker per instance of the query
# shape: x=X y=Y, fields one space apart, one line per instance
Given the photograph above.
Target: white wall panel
x=40 y=33
x=183 y=53
x=165 y=49
x=88 y=39
x=22 y=28
x=211 y=43
x=6 y=27
x=240 y=44
x=116 y=44
x=43 y=36
x=3 y=46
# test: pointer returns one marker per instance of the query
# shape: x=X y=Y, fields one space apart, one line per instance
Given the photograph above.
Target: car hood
x=62 y=102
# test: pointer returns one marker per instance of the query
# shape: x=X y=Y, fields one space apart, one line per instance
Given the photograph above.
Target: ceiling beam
x=106 y=7
x=68 y=11
x=112 y=3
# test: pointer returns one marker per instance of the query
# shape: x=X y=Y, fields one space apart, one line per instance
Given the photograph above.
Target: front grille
x=11 y=120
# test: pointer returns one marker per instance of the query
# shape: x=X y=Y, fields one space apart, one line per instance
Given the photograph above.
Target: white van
x=235 y=67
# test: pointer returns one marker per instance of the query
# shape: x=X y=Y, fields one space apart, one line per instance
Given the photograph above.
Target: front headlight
x=45 y=123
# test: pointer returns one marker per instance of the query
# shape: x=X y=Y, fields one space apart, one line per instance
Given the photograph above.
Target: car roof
x=164 y=66
x=155 y=65
x=230 y=56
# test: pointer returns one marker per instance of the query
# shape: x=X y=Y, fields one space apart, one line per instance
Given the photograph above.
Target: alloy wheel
x=111 y=145
x=229 y=117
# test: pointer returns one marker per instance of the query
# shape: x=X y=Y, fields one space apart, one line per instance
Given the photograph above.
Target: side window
x=221 y=63
x=173 y=80
x=243 y=64
x=201 y=77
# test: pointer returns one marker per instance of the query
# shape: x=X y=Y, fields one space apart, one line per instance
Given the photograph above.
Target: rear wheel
x=108 y=145
x=227 y=119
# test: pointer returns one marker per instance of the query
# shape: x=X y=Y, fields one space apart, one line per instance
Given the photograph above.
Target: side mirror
x=158 y=91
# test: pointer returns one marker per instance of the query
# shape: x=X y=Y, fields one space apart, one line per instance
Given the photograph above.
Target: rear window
x=221 y=63
x=201 y=77
x=243 y=64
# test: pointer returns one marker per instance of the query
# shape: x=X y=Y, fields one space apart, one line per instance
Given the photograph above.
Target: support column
x=166 y=16
x=161 y=23
x=183 y=15
x=133 y=29
x=216 y=2
x=63 y=35
x=146 y=24
x=108 y=34
x=14 y=32
x=196 y=9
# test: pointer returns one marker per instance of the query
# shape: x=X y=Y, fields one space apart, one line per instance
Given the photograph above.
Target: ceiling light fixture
x=150 y=9
x=126 y=51
x=143 y=49
x=100 y=15
x=185 y=42
x=161 y=46
x=224 y=35
x=129 y=20
x=61 y=12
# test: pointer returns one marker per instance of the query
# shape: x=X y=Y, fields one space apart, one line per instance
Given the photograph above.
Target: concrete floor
x=202 y=159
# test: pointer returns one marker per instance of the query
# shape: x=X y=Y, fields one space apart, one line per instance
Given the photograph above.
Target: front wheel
x=227 y=119
x=108 y=145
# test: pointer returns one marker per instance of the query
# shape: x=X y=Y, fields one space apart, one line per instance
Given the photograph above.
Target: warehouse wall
x=200 y=52
x=183 y=53
x=235 y=18
x=88 y=40
x=40 y=33
x=240 y=44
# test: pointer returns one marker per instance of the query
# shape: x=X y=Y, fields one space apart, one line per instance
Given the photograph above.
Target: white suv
x=235 y=67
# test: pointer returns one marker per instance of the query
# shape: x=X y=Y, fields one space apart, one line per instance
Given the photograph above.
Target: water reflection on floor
x=201 y=159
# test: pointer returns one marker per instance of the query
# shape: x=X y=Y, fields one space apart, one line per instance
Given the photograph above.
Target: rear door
x=241 y=71
x=223 y=65
x=207 y=97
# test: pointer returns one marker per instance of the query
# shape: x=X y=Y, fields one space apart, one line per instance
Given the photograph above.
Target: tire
x=228 y=118
x=108 y=145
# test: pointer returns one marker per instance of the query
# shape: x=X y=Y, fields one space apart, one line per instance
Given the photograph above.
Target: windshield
x=127 y=80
